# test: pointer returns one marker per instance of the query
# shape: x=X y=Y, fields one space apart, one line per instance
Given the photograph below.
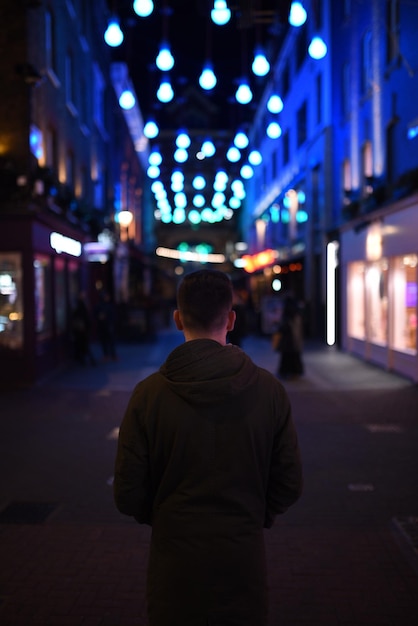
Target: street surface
x=345 y=554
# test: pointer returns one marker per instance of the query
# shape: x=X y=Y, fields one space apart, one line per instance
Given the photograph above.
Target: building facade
x=67 y=167
x=336 y=195
x=376 y=157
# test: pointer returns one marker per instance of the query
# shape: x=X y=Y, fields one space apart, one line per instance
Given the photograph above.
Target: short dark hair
x=204 y=299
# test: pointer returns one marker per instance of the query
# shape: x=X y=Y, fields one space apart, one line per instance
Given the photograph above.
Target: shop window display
x=73 y=283
x=356 y=300
x=404 y=306
x=382 y=302
x=377 y=302
x=11 y=301
x=60 y=298
x=42 y=270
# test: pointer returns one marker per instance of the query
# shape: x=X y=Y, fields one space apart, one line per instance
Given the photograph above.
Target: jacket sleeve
x=131 y=485
x=285 y=481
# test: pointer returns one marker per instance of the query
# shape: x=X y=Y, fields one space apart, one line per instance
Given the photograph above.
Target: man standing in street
x=208 y=456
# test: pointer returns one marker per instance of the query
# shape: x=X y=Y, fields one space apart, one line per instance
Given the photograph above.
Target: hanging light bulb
x=234 y=202
x=220 y=13
x=127 y=100
x=297 y=15
x=255 y=157
x=180 y=155
x=151 y=129
x=165 y=91
x=274 y=130
x=183 y=140
x=113 y=35
x=207 y=78
x=199 y=200
x=241 y=140
x=208 y=148
x=218 y=199
x=260 y=65
x=177 y=177
x=194 y=217
x=233 y=155
x=247 y=171
x=143 y=8
x=244 y=94
x=199 y=182
x=155 y=158
x=317 y=48
x=180 y=199
x=164 y=60
x=275 y=104
x=153 y=171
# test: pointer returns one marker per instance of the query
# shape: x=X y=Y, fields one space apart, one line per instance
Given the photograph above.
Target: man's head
x=204 y=301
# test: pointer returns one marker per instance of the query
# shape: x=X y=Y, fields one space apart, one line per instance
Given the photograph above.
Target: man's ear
x=177 y=320
x=231 y=320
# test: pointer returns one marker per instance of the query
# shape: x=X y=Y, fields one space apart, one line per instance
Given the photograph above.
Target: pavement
x=345 y=554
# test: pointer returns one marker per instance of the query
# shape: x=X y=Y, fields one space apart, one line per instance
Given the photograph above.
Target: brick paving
x=346 y=554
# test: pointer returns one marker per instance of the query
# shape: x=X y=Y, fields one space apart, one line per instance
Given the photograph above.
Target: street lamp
x=125 y=219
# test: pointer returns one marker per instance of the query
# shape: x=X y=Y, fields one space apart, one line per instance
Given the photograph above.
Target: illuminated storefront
x=41 y=273
x=379 y=265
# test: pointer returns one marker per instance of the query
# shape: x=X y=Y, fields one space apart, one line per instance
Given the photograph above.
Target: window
x=315 y=199
x=50 y=48
x=346 y=174
x=347 y=9
x=390 y=152
x=392 y=30
x=60 y=296
x=366 y=63
x=317 y=15
x=301 y=46
x=51 y=142
x=286 y=148
x=367 y=168
x=285 y=80
x=70 y=171
x=274 y=166
x=346 y=89
x=83 y=103
x=376 y=277
x=382 y=302
x=11 y=301
x=356 y=326
x=98 y=104
x=302 y=120
x=69 y=83
x=74 y=283
x=42 y=271
x=404 y=303
x=319 y=99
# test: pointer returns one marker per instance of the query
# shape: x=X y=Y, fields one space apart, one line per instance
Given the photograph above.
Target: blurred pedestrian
x=80 y=330
x=291 y=340
x=208 y=456
x=106 y=326
x=237 y=334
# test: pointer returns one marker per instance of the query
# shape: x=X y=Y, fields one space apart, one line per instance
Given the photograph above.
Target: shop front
x=379 y=271
x=41 y=273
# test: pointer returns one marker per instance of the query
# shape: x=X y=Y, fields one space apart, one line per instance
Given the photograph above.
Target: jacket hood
x=202 y=371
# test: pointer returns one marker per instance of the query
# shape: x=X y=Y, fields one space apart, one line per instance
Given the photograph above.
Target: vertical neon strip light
x=332 y=263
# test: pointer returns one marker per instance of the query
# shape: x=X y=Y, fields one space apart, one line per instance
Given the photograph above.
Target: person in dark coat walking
x=207 y=455
x=291 y=341
x=106 y=326
x=80 y=330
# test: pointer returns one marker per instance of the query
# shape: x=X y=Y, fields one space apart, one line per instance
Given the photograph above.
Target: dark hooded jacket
x=207 y=455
